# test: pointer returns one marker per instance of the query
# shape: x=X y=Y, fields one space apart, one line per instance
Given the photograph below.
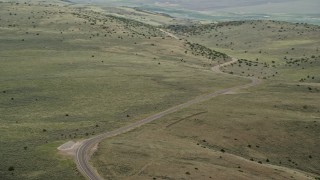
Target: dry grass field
x=249 y=135
x=69 y=72
x=268 y=132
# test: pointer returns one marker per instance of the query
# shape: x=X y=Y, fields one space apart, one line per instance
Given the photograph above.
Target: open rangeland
x=71 y=72
x=68 y=73
x=266 y=132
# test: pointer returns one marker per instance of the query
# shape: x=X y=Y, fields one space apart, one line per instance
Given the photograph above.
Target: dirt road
x=169 y=34
x=83 y=150
x=82 y=154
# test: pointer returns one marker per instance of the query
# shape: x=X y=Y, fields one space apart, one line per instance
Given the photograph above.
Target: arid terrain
x=148 y=96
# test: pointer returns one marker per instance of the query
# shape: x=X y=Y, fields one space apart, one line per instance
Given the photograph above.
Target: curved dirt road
x=83 y=152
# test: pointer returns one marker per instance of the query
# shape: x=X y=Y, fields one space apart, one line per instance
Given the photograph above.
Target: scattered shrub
x=11 y=168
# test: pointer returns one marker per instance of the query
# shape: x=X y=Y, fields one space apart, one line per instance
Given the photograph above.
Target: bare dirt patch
x=69 y=148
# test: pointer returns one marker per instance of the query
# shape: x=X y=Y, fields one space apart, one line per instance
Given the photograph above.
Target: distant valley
x=220 y=10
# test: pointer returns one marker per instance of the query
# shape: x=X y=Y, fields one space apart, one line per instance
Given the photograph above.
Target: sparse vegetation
x=68 y=73
x=55 y=88
x=257 y=117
